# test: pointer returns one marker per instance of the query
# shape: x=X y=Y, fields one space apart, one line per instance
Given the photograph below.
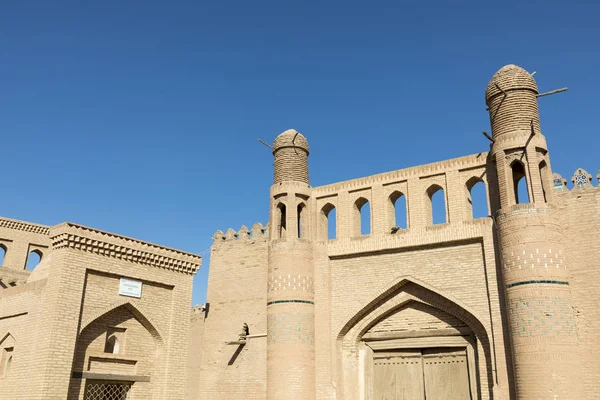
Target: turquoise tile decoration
x=291 y=327
x=532 y=316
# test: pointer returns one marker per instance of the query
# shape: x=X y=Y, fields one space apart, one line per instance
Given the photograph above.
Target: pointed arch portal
x=412 y=341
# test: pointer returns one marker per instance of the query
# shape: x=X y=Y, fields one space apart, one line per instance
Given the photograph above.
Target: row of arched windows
x=33 y=259
x=398 y=213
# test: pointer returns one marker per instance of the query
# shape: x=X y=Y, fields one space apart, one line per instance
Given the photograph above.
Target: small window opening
x=281 y=221
x=114 y=340
x=302 y=225
x=33 y=259
x=437 y=203
x=520 y=183
x=327 y=223
x=398 y=214
x=2 y=254
x=543 y=176
x=6 y=361
x=362 y=217
x=477 y=198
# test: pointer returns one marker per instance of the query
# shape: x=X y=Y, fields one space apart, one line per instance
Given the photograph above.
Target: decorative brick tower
x=290 y=293
x=534 y=269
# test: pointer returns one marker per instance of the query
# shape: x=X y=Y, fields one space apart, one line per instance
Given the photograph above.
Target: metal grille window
x=102 y=390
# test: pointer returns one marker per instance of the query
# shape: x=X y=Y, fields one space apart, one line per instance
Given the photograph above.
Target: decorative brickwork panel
x=545 y=316
x=291 y=328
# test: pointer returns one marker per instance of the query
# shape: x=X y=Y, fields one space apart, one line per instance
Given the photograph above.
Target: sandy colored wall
x=236 y=295
x=20 y=318
x=580 y=212
x=196 y=341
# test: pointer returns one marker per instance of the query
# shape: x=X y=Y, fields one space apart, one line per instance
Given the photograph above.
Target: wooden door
x=398 y=375
x=421 y=374
x=446 y=374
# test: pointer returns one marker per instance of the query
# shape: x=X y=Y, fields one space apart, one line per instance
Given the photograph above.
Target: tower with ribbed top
x=290 y=288
x=534 y=267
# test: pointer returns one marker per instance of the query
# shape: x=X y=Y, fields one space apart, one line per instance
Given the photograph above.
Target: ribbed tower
x=290 y=290
x=536 y=278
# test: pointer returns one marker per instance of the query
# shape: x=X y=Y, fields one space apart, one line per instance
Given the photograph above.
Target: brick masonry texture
x=292 y=314
x=518 y=285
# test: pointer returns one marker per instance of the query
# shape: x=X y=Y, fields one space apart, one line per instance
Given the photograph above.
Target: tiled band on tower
x=290 y=289
x=534 y=270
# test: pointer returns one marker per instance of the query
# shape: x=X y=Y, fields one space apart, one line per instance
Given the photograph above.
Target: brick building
x=500 y=307
x=327 y=301
x=102 y=316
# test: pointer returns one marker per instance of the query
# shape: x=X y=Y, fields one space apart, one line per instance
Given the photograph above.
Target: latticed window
x=106 y=390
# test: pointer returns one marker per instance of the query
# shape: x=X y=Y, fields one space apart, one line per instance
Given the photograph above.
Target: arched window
x=6 y=361
x=302 y=221
x=543 y=177
x=33 y=259
x=362 y=217
x=327 y=222
x=398 y=215
x=520 y=186
x=2 y=254
x=281 y=221
x=437 y=204
x=477 y=198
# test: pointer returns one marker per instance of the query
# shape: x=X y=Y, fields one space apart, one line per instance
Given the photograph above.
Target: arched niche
x=362 y=336
x=120 y=341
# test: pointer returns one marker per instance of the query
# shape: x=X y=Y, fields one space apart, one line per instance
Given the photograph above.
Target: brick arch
x=400 y=293
x=135 y=310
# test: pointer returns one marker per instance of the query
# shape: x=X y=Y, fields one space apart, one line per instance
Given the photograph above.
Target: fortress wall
x=237 y=294
x=196 y=341
x=417 y=184
x=20 y=320
x=456 y=260
x=580 y=212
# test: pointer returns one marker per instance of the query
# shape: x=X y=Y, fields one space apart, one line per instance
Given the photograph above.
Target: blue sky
x=142 y=117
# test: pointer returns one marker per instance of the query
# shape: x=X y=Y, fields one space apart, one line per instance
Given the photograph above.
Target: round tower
x=290 y=289
x=534 y=266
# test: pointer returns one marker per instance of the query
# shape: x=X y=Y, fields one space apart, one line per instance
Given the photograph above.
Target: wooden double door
x=421 y=374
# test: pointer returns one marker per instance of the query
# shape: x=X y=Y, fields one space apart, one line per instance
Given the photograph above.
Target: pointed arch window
x=437 y=205
x=2 y=254
x=362 y=217
x=477 y=198
x=33 y=259
x=520 y=186
x=281 y=221
x=397 y=210
x=302 y=221
x=327 y=222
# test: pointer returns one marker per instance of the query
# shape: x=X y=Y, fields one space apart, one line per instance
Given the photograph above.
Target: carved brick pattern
x=291 y=282
x=24 y=226
x=107 y=391
x=146 y=254
x=541 y=258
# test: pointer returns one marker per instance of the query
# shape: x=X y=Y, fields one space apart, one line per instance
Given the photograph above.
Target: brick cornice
x=24 y=226
x=82 y=238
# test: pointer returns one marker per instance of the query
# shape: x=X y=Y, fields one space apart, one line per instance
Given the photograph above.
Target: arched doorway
x=412 y=342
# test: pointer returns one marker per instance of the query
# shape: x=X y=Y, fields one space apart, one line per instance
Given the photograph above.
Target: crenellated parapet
x=258 y=232
x=580 y=180
x=95 y=241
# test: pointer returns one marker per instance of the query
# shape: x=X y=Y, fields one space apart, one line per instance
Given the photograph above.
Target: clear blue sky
x=142 y=117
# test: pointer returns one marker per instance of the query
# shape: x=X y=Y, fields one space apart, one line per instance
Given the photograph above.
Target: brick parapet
x=69 y=235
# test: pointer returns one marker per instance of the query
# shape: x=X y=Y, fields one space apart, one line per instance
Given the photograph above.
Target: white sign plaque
x=130 y=287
